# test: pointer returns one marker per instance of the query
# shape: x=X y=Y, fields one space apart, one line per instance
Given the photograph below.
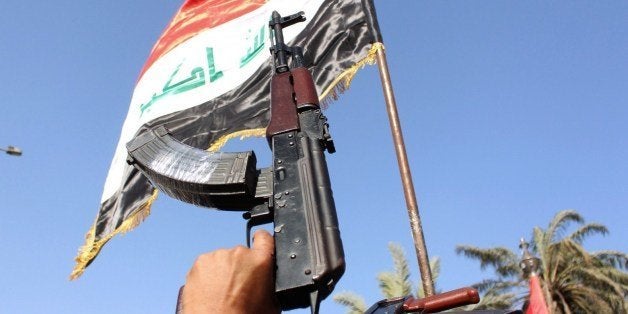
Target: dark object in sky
x=12 y=150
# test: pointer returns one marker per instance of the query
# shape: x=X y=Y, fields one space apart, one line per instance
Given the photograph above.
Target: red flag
x=537 y=303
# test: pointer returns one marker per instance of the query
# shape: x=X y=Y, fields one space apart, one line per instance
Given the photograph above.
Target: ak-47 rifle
x=294 y=193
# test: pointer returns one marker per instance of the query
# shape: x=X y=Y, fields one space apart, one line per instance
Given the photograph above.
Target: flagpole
x=406 y=176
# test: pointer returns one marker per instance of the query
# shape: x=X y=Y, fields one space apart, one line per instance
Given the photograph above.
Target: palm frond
x=496 y=300
x=486 y=285
x=396 y=283
x=615 y=259
x=402 y=270
x=493 y=286
x=598 y=280
x=571 y=251
x=617 y=275
x=435 y=267
x=541 y=244
x=560 y=222
x=583 y=299
x=353 y=301
x=391 y=286
x=587 y=230
x=500 y=258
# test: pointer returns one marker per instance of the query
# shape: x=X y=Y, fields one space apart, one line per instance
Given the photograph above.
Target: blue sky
x=511 y=111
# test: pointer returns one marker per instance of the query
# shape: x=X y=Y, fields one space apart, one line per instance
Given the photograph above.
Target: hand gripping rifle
x=294 y=193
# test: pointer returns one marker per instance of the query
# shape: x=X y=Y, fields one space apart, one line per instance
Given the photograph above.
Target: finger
x=263 y=241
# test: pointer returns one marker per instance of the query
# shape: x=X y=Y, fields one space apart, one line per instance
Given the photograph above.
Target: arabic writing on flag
x=207 y=80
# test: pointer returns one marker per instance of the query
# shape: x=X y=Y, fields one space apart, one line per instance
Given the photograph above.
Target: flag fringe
x=218 y=144
x=91 y=248
x=335 y=88
x=343 y=81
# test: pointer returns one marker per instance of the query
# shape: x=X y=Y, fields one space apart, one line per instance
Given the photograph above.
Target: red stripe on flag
x=195 y=16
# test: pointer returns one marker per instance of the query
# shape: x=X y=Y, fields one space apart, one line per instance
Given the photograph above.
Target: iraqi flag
x=207 y=80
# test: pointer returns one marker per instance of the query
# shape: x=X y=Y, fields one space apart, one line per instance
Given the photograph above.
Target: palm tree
x=392 y=284
x=573 y=280
x=499 y=293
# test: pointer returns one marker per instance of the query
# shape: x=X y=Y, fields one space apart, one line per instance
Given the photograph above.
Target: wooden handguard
x=442 y=302
x=283 y=112
x=304 y=89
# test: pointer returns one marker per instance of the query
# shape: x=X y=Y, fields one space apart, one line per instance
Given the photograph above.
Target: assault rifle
x=294 y=193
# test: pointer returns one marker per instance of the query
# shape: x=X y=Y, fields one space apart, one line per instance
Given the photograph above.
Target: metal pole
x=406 y=176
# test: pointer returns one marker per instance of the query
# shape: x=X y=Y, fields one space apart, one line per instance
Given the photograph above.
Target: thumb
x=263 y=242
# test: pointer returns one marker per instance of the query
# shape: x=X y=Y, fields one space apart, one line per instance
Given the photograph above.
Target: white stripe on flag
x=185 y=76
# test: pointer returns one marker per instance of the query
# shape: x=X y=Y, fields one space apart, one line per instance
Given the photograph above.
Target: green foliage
x=396 y=283
x=573 y=280
x=494 y=299
x=504 y=261
x=392 y=283
x=352 y=301
x=613 y=259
